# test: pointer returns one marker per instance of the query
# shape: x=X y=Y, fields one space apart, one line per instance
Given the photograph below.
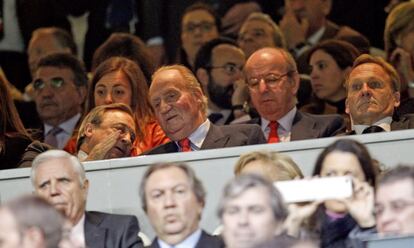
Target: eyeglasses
x=55 y=83
x=203 y=26
x=229 y=68
x=271 y=80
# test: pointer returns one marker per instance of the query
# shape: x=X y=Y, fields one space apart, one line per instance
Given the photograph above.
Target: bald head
x=273 y=81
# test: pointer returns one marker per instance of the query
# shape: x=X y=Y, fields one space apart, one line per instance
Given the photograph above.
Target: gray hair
x=58 y=154
x=401 y=172
x=242 y=183
x=195 y=183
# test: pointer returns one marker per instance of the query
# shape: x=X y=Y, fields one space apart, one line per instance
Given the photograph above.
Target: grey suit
x=221 y=136
x=111 y=231
x=205 y=241
x=308 y=126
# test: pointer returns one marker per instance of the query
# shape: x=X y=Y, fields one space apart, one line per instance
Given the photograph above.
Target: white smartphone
x=323 y=188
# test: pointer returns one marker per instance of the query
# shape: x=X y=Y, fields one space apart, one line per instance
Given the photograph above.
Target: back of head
x=63 y=37
x=34 y=212
x=275 y=166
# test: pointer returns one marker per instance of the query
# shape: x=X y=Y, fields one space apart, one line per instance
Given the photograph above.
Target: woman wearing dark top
x=331 y=221
x=330 y=61
x=13 y=137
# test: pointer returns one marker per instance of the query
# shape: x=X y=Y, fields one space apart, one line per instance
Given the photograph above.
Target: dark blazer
x=308 y=126
x=403 y=123
x=104 y=230
x=205 y=241
x=221 y=136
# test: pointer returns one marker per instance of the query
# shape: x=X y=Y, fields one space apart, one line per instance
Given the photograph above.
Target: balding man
x=373 y=94
x=273 y=81
x=181 y=108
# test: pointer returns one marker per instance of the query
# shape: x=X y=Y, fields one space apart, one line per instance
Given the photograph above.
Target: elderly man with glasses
x=273 y=81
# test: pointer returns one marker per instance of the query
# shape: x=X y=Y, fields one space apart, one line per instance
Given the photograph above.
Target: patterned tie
x=185 y=145
x=273 y=137
x=373 y=129
x=51 y=136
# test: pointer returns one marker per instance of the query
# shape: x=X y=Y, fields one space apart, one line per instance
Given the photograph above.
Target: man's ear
x=347 y=106
x=202 y=76
x=295 y=81
x=88 y=132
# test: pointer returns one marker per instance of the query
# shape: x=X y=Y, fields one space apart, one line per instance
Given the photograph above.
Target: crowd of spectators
x=233 y=73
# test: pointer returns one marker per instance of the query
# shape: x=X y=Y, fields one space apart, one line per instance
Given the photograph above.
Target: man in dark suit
x=218 y=67
x=173 y=198
x=273 y=81
x=59 y=177
x=180 y=108
x=373 y=94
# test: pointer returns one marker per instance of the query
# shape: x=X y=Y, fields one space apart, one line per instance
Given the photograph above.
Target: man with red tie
x=181 y=110
x=273 y=81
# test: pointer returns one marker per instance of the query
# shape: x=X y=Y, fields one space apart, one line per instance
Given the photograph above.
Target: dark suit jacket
x=308 y=126
x=111 y=231
x=221 y=136
x=205 y=241
x=405 y=122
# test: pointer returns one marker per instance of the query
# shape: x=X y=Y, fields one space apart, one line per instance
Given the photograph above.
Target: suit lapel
x=94 y=235
x=214 y=138
x=302 y=128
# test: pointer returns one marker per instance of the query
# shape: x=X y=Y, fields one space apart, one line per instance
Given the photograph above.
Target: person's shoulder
x=206 y=241
x=110 y=218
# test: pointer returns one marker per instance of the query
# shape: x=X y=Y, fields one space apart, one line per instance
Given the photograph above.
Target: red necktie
x=185 y=145
x=273 y=137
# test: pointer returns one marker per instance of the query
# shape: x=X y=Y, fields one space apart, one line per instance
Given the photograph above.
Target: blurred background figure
x=270 y=165
x=259 y=31
x=331 y=221
x=30 y=222
x=199 y=24
x=13 y=136
x=399 y=47
x=252 y=211
x=120 y=80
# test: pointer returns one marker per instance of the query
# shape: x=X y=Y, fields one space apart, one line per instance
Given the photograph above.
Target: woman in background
x=13 y=136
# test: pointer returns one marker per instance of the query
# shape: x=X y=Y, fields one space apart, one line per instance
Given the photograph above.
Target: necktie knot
x=273 y=136
x=373 y=129
x=185 y=145
x=51 y=136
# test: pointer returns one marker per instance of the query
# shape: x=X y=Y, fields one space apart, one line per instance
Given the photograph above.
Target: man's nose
x=243 y=218
x=262 y=86
x=366 y=90
x=169 y=200
x=54 y=189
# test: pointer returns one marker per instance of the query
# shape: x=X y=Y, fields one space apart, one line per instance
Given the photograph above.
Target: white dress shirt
x=189 y=242
x=198 y=136
x=284 y=128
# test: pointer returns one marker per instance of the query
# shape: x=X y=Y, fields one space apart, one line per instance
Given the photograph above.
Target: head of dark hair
x=69 y=61
x=360 y=42
x=354 y=147
x=342 y=52
x=206 y=7
x=204 y=55
x=128 y=46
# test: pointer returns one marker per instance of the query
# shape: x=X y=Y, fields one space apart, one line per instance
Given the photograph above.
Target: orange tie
x=185 y=145
x=273 y=137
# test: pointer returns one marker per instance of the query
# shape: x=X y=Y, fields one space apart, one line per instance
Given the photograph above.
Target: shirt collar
x=82 y=155
x=68 y=126
x=190 y=241
x=285 y=122
x=77 y=234
x=385 y=123
x=198 y=136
